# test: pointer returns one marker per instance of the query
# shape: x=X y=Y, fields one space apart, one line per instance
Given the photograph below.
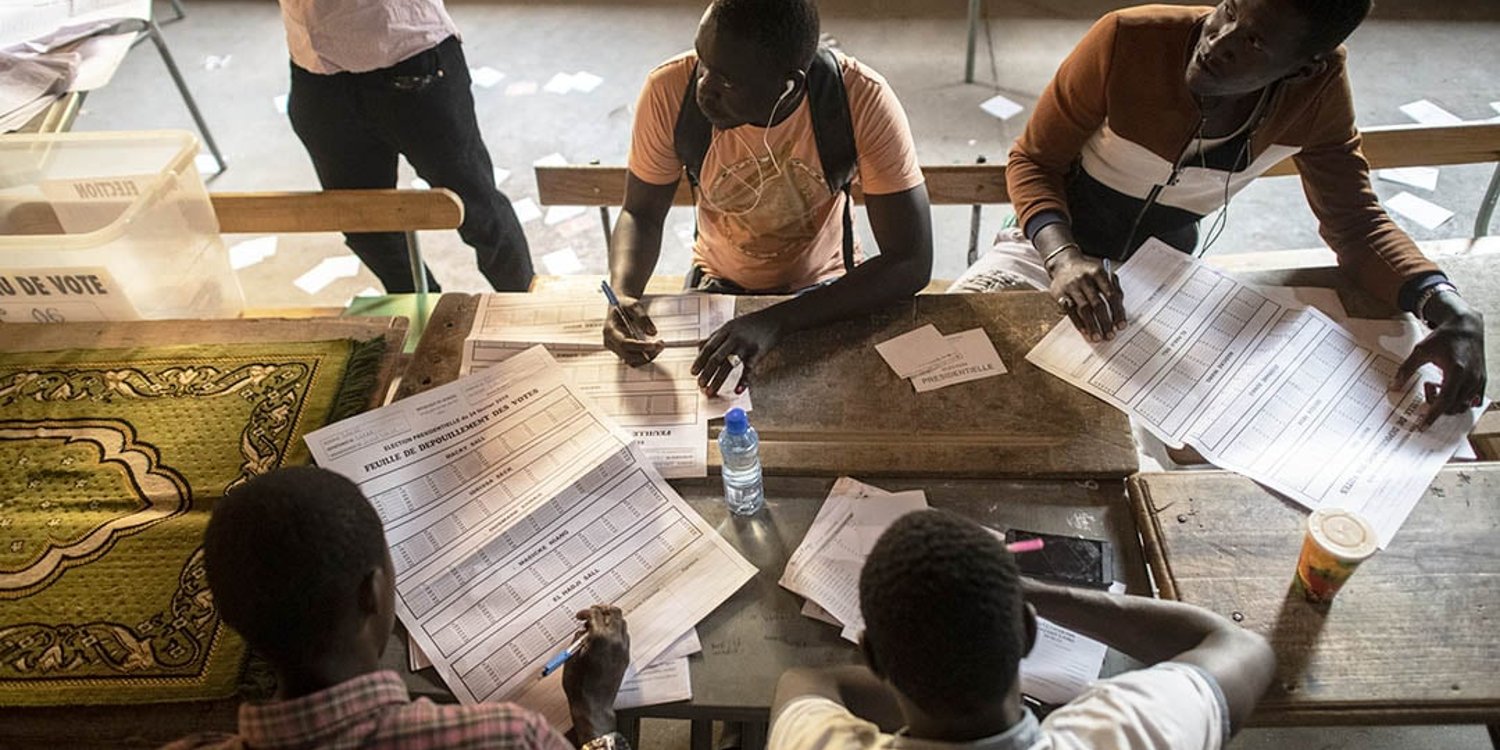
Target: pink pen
x=1025 y=545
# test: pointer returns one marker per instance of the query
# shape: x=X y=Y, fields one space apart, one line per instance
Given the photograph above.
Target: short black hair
x=943 y=612
x=787 y=29
x=1330 y=22
x=285 y=554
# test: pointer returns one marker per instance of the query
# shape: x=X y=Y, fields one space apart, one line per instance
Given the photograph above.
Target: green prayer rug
x=110 y=463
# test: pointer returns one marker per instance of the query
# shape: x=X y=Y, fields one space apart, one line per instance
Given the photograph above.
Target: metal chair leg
x=418 y=281
x=974 y=218
x=154 y=32
x=180 y=12
x=1487 y=206
x=973 y=34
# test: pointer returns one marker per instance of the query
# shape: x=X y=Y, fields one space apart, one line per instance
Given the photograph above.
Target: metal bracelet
x=1427 y=295
x=1047 y=261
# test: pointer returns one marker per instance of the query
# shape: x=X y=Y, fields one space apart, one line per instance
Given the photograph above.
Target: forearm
x=635 y=247
x=590 y=722
x=854 y=687
x=868 y=287
x=1052 y=241
x=1151 y=630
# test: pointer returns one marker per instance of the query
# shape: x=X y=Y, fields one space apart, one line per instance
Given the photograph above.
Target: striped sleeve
x=1336 y=178
x=1071 y=109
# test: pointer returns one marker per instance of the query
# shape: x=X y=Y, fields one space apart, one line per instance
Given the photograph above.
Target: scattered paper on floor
x=1428 y=113
x=1425 y=178
x=1430 y=215
x=1001 y=107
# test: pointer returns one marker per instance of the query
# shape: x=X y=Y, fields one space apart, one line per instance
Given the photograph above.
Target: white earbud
x=791 y=84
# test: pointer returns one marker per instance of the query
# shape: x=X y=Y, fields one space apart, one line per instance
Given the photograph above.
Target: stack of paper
x=826 y=566
x=51 y=47
x=659 y=403
x=932 y=360
x=511 y=502
x=1279 y=392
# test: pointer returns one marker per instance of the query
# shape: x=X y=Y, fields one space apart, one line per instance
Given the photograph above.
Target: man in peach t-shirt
x=768 y=220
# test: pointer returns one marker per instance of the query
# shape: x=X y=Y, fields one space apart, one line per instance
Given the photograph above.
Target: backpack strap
x=692 y=133
x=833 y=129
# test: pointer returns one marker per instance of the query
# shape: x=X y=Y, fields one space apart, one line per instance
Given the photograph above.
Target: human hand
x=1456 y=346
x=636 y=351
x=591 y=679
x=740 y=341
x=1089 y=293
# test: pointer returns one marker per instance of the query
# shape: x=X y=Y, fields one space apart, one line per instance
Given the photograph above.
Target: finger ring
x=734 y=360
x=1065 y=302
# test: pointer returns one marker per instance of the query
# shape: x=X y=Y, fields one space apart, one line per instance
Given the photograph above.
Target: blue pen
x=563 y=656
x=614 y=302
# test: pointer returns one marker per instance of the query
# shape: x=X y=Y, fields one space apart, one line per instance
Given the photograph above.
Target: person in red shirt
x=298 y=565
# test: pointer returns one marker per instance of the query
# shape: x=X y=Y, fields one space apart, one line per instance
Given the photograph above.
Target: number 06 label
x=62 y=295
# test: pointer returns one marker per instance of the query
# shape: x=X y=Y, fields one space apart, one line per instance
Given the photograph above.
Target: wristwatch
x=611 y=741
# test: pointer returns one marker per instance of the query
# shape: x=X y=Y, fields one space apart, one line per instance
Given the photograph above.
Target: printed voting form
x=659 y=403
x=578 y=319
x=1278 y=392
x=510 y=502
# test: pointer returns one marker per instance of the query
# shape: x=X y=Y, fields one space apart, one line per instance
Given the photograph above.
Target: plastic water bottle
x=744 y=492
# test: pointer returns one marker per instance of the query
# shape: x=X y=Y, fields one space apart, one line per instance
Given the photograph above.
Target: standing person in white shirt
x=374 y=79
x=946 y=626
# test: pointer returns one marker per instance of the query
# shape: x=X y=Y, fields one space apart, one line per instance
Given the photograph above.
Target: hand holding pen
x=595 y=663
x=628 y=331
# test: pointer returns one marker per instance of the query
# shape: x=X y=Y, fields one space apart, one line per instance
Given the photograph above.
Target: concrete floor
x=1441 y=50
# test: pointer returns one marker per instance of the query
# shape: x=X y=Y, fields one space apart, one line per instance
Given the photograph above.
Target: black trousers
x=354 y=125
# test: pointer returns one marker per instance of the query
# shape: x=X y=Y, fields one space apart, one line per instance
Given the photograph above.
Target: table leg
x=630 y=726
x=973 y=34
x=753 y=736
x=702 y=735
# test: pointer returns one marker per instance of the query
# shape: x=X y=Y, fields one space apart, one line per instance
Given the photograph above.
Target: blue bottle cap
x=735 y=421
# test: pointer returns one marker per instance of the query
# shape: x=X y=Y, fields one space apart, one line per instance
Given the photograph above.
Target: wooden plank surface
x=1411 y=638
x=961 y=184
x=604 y=185
x=104 y=335
x=337 y=211
x=826 y=404
x=1422 y=146
x=760 y=632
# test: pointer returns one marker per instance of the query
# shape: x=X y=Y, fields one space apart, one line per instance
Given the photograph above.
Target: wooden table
x=760 y=631
x=748 y=641
x=826 y=404
x=1412 y=639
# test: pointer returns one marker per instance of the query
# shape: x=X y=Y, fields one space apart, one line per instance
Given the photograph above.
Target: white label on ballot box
x=62 y=295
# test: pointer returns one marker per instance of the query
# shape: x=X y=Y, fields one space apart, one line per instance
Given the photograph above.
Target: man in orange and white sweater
x=1162 y=113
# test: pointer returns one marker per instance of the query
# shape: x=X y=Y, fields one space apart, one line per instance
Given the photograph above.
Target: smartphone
x=1068 y=560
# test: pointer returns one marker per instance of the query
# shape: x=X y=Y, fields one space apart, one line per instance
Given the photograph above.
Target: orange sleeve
x=882 y=135
x=652 y=156
x=1336 y=179
x=1071 y=109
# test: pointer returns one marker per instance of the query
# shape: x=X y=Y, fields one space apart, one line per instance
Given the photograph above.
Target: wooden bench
x=979 y=184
